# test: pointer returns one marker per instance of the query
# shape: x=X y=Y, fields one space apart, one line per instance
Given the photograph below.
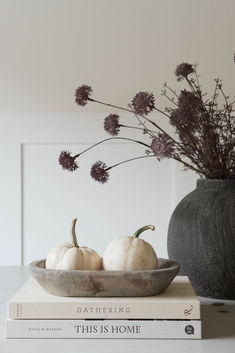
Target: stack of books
x=175 y=314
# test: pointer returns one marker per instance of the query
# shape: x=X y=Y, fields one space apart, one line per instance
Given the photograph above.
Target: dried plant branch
x=205 y=133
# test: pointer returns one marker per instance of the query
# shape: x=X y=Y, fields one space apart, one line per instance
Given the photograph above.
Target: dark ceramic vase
x=201 y=237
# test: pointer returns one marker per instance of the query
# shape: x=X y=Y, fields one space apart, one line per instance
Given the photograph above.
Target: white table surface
x=218 y=330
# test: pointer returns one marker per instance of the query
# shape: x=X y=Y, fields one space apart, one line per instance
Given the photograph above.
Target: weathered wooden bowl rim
x=35 y=266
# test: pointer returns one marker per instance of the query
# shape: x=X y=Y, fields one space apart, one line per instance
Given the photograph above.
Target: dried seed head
x=111 y=124
x=162 y=146
x=67 y=161
x=82 y=94
x=143 y=103
x=183 y=70
x=99 y=172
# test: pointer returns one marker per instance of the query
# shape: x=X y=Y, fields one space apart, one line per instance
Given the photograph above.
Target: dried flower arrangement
x=204 y=139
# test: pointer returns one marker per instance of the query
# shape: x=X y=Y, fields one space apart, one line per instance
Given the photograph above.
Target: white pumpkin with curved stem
x=130 y=253
x=73 y=257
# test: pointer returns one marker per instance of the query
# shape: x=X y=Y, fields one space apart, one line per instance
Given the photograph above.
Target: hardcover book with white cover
x=165 y=329
x=179 y=301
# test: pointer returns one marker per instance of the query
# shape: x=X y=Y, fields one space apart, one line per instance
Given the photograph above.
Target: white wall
x=48 y=48
x=39 y=199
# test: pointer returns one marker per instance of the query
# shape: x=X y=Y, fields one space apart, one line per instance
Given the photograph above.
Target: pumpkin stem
x=73 y=234
x=142 y=229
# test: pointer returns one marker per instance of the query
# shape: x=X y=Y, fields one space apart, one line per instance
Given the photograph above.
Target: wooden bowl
x=76 y=283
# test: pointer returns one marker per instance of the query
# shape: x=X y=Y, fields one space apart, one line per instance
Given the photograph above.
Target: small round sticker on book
x=189 y=329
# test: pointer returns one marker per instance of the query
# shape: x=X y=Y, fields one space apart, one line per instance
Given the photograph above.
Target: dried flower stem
x=131 y=111
x=205 y=132
x=225 y=97
x=149 y=132
x=150 y=121
x=136 y=128
x=171 y=90
x=188 y=165
x=110 y=105
x=111 y=138
x=129 y=160
x=169 y=98
x=181 y=127
x=152 y=155
x=198 y=83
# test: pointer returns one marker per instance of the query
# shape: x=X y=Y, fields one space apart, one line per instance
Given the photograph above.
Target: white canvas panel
x=138 y=193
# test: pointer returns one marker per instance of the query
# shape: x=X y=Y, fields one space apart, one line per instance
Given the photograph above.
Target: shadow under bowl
x=83 y=283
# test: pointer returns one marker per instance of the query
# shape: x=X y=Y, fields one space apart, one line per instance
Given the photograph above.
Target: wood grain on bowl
x=82 y=283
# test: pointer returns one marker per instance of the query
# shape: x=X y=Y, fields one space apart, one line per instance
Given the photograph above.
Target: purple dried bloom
x=187 y=142
x=189 y=111
x=188 y=101
x=111 y=124
x=82 y=94
x=162 y=146
x=179 y=117
x=143 y=103
x=183 y=70
x=99 y=172
x=184 y=121
x=67 y=161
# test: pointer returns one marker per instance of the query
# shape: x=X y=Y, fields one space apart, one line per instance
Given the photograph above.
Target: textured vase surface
x=201 y=237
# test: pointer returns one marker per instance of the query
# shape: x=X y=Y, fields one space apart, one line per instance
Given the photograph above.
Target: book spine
x=159 y=329
x=96 y=310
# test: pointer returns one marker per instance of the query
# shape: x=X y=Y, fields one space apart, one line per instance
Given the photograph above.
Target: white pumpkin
x=130 y=253
x=73 y=257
